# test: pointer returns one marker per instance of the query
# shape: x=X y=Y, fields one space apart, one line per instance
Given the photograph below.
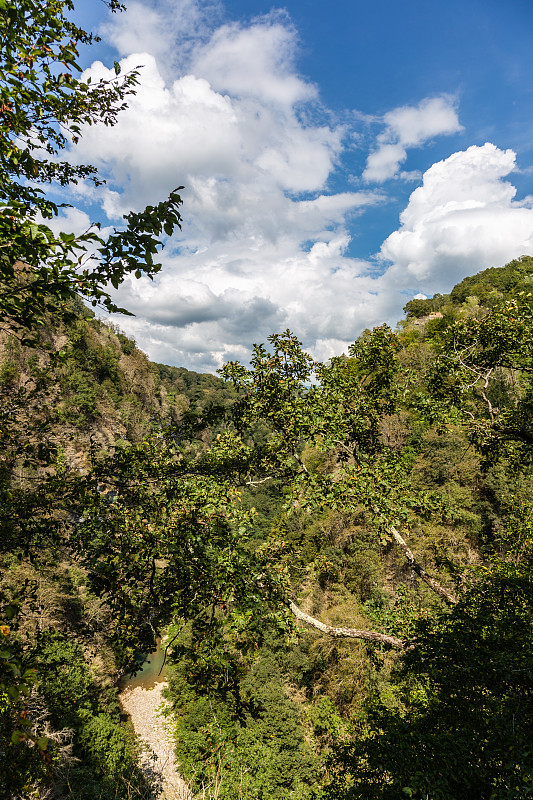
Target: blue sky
x=337 y=161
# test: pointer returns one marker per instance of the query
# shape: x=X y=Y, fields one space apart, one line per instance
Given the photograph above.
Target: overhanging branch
x=346 y=633
x=373 y=636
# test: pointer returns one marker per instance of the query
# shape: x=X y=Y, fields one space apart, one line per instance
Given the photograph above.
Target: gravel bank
x=142 y=705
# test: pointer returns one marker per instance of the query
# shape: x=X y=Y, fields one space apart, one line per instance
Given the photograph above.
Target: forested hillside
x=84 y=393
x=388 y=499
x=421 y=435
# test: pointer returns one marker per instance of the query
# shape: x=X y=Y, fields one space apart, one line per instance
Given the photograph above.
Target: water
x=150 y=672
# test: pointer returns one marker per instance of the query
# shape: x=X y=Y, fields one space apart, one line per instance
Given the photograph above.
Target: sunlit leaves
x=164 y=534
x=483 y=376
x=338 y=408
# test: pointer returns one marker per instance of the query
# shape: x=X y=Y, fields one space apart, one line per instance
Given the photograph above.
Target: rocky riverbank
x=144 y=706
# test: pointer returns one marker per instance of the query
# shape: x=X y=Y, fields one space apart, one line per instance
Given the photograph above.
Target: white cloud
x=69 y=220
x=266 y=241
x=384 y=163
x=217 y=144
x=255 y=255
x=229 y=295
x=462 y=218
x=409 y=126
x=169 y=30
x=256 y=62
x=413 y=125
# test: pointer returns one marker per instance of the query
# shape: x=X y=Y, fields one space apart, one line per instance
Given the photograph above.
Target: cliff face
x=94 y=388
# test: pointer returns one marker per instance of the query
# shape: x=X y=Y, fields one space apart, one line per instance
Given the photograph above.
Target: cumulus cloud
x=170 y=30
x=409 y=126
x=256 y=62
x=220 y=145
x=462 y=218
x=225 y=297
x=70 y=220
x=266 y=242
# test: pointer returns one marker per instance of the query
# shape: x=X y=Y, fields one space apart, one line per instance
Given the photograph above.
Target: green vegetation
x=383 y=498
x=247 y=740
x=177 y=502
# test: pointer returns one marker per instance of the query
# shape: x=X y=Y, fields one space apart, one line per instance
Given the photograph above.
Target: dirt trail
x=142 y=705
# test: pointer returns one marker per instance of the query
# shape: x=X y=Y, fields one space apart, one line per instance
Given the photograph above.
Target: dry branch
x=373 y=636
x=419 y=570
x=346 y=633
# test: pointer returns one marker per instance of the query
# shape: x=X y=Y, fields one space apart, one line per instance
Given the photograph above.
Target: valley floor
x=144 y=707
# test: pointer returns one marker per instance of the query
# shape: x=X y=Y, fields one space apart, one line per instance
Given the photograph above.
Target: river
x=153 y=670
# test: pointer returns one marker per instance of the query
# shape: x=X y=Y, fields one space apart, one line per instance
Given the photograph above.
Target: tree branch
x=373 y=636
x=419 y=570
x=258 y=482
x=346 y=633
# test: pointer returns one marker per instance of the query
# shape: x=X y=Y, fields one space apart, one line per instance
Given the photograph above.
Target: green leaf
x=13 y=692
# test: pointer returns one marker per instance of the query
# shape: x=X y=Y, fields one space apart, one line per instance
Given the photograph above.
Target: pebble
x=144 y=707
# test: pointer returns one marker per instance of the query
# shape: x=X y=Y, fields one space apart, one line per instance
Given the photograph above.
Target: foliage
x=163 y=533
x=165 y=528
x=489 y=287
x=493 y=285
x=248 y=742
x=71 y=709
x=44 y=105
x=484 y=375
x=142 y=496
x=465 y=727
x=341 y=412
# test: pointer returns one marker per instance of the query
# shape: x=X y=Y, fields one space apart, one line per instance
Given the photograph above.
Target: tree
x=484 y=377
x=44 y=105
x=340 y=412
x=461 y=725
x=464 y=725
x=157 y=526
x=163 y=536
